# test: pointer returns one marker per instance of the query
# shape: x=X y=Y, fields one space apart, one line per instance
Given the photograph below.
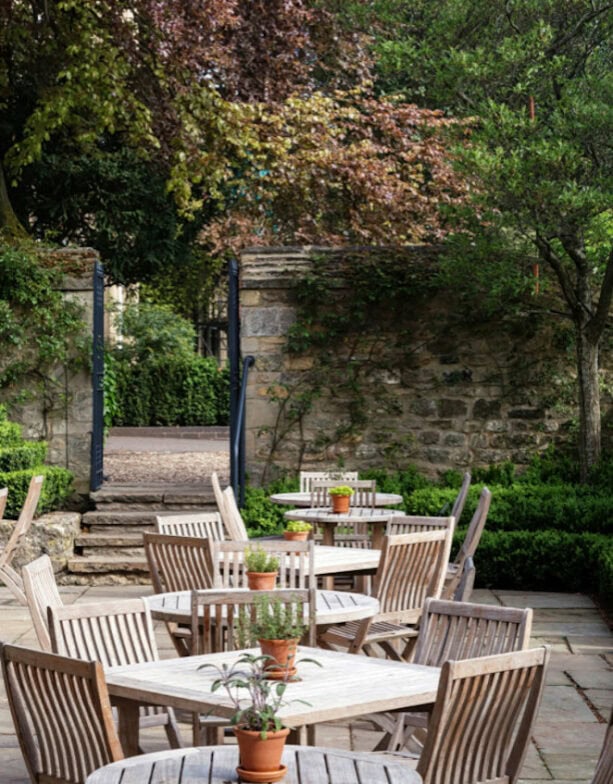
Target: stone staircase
x=109 y=549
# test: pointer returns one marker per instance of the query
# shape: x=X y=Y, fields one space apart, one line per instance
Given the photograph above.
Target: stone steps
x=109 y=548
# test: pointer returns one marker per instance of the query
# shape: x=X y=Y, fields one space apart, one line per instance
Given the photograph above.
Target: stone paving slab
x=569 y=730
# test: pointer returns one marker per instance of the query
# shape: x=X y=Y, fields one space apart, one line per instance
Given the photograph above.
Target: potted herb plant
x=259 y=731
x=262 y=569
x=278 y=627
x=297 y=531
x=340 y=496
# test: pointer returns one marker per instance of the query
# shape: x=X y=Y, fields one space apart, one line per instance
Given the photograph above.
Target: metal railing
x=237 y=454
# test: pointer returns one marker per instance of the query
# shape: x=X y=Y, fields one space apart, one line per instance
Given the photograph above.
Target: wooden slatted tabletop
x=217 y=765
x=343 y=687
x=324 y=516
x=332 y=606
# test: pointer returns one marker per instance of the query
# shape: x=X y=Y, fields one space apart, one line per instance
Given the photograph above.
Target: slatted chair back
x=364 y=491
x=205 y=524
x=467 y=582
x=460 y=500
x=41 y=592
x=114 y=633
x=604 y=769
x=221 y=619
x=412 y=524
x=3 y=496
x=8 y=575
x=233 y=520
x=458 y=630
x=470 y=543
x=482 y=719
x=219 y=500
x=179 y=563
x=62 y=714
x=411 y=569
x=307 y=478
x=296 y=562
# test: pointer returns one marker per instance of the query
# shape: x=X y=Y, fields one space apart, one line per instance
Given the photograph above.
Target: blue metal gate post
x=234 y=358
x=97 y=441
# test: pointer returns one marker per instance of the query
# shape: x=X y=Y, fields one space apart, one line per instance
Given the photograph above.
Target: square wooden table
x=345 y=686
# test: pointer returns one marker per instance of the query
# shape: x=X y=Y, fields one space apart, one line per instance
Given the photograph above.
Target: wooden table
x=332 y=607
x=324 y=516
x=343 y=687
x=217 y=765
x=304 y=499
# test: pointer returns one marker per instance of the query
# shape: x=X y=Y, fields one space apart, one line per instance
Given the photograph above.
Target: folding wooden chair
x=41 y=592
x=604 y=769
x=62 y=714
x=180 y=563
x=469 y=545
x=205 y=524
x=483 y=717
x=308 y=478
x=296 y=562
x=411 y=569
x=10 y=577
x=114 y=633
x=455 y=631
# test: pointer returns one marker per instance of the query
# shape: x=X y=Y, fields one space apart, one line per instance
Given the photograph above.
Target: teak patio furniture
x=456 y=631
x=113 y=633
x=296 y=562
x=307 y=478
x=412 y=569
x=8 y=575
x=604 y=769
x=469 y=545
x=217 y=765
x=206 y=524
x=41 y=592
x=62 y=739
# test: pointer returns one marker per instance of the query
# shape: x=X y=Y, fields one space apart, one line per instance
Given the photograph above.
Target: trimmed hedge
x=56 y=489
x=26 y=455
x=565 y=507
x=171 y=390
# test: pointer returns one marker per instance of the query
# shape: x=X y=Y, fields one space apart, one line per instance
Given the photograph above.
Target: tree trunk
x=10 y=226
x=589 y=401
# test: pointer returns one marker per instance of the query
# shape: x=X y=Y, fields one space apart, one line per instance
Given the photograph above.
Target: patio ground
x=571 y=724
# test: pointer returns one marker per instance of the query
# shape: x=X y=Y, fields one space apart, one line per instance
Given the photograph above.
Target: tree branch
x=558 y=44
x=548 y=255
x=598 y=321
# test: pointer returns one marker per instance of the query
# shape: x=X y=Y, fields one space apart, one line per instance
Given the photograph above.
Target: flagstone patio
x=570 y=727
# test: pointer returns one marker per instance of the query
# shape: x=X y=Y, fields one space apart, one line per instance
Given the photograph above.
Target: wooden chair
x=8 y=575
x=205 y=524
x=115 y=634
x=411 y=569
x=62 y=740
x=455 y=631
x=469 y=545
x=364 y=491
x=467 y=582
x=41 y=592
x=307 y=478
x=483 y=717
x=460 y=499
x=179 y=563
x=296 y=562
x=604 y=769
x=219 y=499
x=3 y=496
x=412 y=524
x=233 y=520
x=218 y=625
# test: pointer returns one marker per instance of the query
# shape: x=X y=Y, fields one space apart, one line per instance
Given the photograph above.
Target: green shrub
x=56 y=489
x=25 y=455
x=10 y=432
x=571 y=508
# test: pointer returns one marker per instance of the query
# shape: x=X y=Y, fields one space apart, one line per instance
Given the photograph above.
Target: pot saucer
x=261 y=777
x=281 y=675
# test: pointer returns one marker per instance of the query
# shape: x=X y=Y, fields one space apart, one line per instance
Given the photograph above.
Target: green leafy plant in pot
x=340 y=497
x=262 y=569
x=297 y=531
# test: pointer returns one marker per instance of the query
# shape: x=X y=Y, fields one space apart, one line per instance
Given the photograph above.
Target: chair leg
x=172 y=731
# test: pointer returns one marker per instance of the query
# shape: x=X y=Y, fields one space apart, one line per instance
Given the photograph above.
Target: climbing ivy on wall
x=39 y=330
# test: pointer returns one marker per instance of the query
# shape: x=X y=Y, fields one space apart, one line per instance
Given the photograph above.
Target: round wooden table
x=332 y=607
x=304 y=499
x=217 y=765
x=377 y=519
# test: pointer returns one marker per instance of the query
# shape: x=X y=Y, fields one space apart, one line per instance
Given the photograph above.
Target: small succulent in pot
x=340 y=496
x=297 y=530
x=262 y=569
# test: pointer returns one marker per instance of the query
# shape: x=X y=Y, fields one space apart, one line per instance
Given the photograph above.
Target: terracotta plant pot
x=284 y=654
x=262 y=581
x=340 y=503
x=296 y=536
x=260 y=757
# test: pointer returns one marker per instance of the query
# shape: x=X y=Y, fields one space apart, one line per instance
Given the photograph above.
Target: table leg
x=127 y=725
x=328 y=539
x=378 y=532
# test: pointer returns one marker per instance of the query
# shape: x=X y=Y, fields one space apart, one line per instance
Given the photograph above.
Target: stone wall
x=52 y=534
x=464 y=394
x=64 y=417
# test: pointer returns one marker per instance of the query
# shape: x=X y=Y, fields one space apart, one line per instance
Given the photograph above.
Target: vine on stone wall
x=39 y=330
